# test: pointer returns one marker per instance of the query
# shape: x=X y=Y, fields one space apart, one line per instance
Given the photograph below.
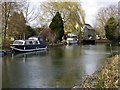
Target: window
x=36 y=42
x=18 y=42
x=29 y=43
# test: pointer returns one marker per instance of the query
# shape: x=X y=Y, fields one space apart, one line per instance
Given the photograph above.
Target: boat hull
x=72 y=42
x=27 y=48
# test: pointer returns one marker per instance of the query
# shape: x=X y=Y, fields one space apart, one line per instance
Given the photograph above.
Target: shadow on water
x=57 y=67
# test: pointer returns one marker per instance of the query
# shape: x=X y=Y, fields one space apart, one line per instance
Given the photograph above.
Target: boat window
x=71 y=36
x=36 y=42
x=18 y=42
x=29 y=43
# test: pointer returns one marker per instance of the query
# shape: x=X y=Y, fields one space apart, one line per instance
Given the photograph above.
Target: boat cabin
x=26 y=42
x=72 y=39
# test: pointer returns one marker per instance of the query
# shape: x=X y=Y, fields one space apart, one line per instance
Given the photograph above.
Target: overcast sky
x=90 y=6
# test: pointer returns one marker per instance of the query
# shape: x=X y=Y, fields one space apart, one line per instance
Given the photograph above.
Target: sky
x=91 y=7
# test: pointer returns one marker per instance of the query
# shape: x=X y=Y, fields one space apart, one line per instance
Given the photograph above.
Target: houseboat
x=72 y=39
x=88 y=34
x=32 y=44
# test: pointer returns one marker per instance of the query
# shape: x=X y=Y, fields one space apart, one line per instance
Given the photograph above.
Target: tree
x=57 y=26
x=30 y=31
x=110 y=28
x=102 y=17
x=106 y=12
x=8 y=8
x=17 y=26
x=29 y=13
x=71 y=12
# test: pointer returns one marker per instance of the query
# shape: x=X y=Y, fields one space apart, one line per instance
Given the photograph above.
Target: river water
x=57 y=67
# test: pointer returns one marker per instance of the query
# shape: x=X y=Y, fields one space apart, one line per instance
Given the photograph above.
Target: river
x=57 y=67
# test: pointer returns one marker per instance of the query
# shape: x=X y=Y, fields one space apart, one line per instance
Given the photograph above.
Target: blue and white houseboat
x=32 y=44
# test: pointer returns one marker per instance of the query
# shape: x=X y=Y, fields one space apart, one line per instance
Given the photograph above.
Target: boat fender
x=24 y=48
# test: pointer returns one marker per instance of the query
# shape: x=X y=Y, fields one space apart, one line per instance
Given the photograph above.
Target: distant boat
x=72 y=39
x=32 y=44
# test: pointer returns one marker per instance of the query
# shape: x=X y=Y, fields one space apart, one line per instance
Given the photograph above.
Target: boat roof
x=33 y=38
x=20 y=40
x=71 y=34
x=25 y=40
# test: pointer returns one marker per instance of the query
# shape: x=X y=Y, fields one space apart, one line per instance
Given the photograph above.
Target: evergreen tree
x=110 y=28
x=30 y=31
x=57 y=27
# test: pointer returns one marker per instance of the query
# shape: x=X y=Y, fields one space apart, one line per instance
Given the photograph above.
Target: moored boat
x=72 y=39
x=32 y=44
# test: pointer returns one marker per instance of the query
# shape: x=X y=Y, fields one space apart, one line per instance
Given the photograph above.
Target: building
x=88 y=34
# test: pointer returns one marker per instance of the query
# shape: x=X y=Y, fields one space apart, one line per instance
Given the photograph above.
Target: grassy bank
x=107 y=77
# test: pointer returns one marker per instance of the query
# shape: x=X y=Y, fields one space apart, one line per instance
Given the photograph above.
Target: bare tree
x=106 y=12
x=29 y=13
x=8 y=8
x=103 y=15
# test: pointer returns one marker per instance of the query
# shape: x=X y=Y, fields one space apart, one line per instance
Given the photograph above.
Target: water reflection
x=57 y=67
x=114 y=49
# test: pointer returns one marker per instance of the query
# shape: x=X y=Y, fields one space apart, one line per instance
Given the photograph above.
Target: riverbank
x=102 y=41
x=107 y=77
x=56 y=44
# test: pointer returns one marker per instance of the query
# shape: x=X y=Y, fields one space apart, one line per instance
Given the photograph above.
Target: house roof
x=88 y=26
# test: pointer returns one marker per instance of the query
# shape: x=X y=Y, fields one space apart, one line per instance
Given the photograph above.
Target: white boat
x=72 y=39
x=32 y=44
